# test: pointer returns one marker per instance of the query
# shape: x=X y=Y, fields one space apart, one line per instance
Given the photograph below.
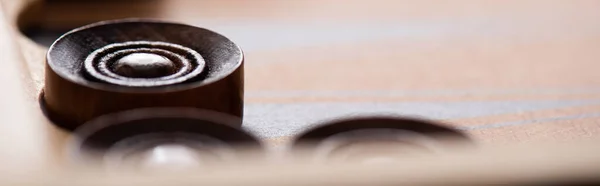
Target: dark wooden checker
x=504 y=72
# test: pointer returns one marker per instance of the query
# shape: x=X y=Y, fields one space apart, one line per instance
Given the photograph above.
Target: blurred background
x=503 y=71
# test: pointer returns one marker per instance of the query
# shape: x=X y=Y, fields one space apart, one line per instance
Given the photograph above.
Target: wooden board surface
x=505 y=72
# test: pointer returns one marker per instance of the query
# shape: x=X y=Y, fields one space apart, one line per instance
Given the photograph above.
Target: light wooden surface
x=505 y=71
x=481 y=49
x=27 y=140
x=525 y=165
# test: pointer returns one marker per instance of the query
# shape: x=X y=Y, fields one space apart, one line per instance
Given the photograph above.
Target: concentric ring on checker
x=130 y=139
x=186 y=62
x=376 y=139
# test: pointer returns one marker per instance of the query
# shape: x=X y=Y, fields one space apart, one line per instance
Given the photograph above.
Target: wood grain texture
x=443 y=52
x=73 y=96
x=27 y=142
x=565 y=164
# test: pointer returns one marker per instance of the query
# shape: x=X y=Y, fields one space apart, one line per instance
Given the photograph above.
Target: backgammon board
x=504 y=73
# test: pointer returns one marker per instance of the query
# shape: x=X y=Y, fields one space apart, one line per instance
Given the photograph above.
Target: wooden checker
x=504 y=72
